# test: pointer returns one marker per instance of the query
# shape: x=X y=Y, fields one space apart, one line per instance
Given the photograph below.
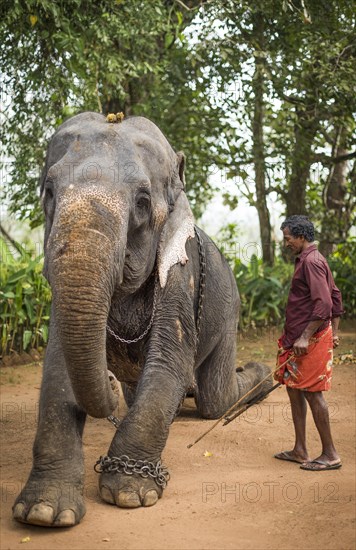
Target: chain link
x=130 y=466
x=133 y=341
x=114 y=420
x=202 y=277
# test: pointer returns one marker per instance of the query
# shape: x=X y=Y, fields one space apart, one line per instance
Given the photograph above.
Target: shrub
x=342 y=264
x=263 y=291
x=25 y=295
x=25 y=299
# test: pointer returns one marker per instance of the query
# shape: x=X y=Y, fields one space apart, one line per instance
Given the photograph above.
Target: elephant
x=139 y=291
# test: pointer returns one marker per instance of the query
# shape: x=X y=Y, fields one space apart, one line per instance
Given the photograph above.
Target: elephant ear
x=178 y=228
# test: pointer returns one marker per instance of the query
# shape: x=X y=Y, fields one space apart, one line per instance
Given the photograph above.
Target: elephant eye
x=48 y=201
x=49 y=193
x=143 y=202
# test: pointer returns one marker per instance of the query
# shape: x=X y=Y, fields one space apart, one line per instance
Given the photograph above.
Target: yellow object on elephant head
x=111 y=117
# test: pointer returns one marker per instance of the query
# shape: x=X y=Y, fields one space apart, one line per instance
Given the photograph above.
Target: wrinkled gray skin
x=114 y=200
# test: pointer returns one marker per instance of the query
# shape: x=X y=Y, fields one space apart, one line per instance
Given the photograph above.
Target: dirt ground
x=238 y=497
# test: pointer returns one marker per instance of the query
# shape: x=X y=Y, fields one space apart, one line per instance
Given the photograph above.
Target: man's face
x=294 y=244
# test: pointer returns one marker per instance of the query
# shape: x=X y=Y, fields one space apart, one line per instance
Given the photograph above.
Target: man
x=306 y=345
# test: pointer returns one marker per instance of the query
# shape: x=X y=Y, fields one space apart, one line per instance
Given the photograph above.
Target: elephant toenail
x=128 y=500
x=65 y=519
x=41 y=514
x=19 y=511
x=106 y=495
x=151 y=498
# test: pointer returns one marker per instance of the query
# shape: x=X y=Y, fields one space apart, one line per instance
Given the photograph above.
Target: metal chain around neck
x=202 y=277
x=154 y=306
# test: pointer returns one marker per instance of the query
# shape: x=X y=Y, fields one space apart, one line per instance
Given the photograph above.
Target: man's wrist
x=303 y=336
x=335 y=324
x=311 y=328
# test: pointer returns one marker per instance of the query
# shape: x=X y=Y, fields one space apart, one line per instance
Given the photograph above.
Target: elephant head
x=114 y=201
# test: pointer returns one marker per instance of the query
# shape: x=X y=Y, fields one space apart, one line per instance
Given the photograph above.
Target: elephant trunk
x=84 y=269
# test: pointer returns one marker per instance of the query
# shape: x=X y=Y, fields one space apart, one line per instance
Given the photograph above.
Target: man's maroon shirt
x=312 y=296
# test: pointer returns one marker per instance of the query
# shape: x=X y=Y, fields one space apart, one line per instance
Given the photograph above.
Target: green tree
x=311 y=70
x=295 y=65
x=264 y=92
x=59 y=58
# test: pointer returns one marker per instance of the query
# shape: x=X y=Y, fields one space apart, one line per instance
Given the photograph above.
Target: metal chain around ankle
x=129 y=466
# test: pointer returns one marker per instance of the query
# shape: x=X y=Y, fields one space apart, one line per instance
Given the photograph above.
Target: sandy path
x=239 y=498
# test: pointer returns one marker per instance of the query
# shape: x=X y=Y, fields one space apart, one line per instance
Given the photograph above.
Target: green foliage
x=263 y=291
x=342 y=264
x=60 y=58
x=25 y=295
x=190 y=67
x=24 y=301
x=307 y=54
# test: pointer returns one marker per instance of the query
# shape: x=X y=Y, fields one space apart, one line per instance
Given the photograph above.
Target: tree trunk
x=335 y=224
x=304 y=134
x=258 y=141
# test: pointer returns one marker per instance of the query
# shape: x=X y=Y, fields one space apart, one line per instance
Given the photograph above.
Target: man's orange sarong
x=310 y=372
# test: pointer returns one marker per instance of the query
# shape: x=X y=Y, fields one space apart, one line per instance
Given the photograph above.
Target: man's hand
x=336 y=341
x=300 y=346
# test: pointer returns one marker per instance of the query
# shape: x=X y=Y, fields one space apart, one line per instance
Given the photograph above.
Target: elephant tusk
x=115 y=386
x=114 y=383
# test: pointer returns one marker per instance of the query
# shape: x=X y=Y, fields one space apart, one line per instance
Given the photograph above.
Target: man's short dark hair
x=299 y=226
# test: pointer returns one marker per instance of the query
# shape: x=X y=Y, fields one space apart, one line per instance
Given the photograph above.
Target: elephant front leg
x=53 y=494
x=132 y=475
x=166 y=376
x=126 y=488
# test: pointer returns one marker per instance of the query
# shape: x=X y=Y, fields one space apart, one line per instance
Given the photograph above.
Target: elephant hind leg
x=249 y=376
x=216 y=380
x=219 y=386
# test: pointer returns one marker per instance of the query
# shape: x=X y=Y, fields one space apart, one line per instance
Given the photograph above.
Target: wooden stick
x=248 y=405
x=238 y=402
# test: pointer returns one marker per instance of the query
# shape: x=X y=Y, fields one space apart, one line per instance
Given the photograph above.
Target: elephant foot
x=129 y=491
x=49 y=504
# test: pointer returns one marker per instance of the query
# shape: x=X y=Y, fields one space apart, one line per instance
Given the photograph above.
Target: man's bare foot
x=292 y=456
